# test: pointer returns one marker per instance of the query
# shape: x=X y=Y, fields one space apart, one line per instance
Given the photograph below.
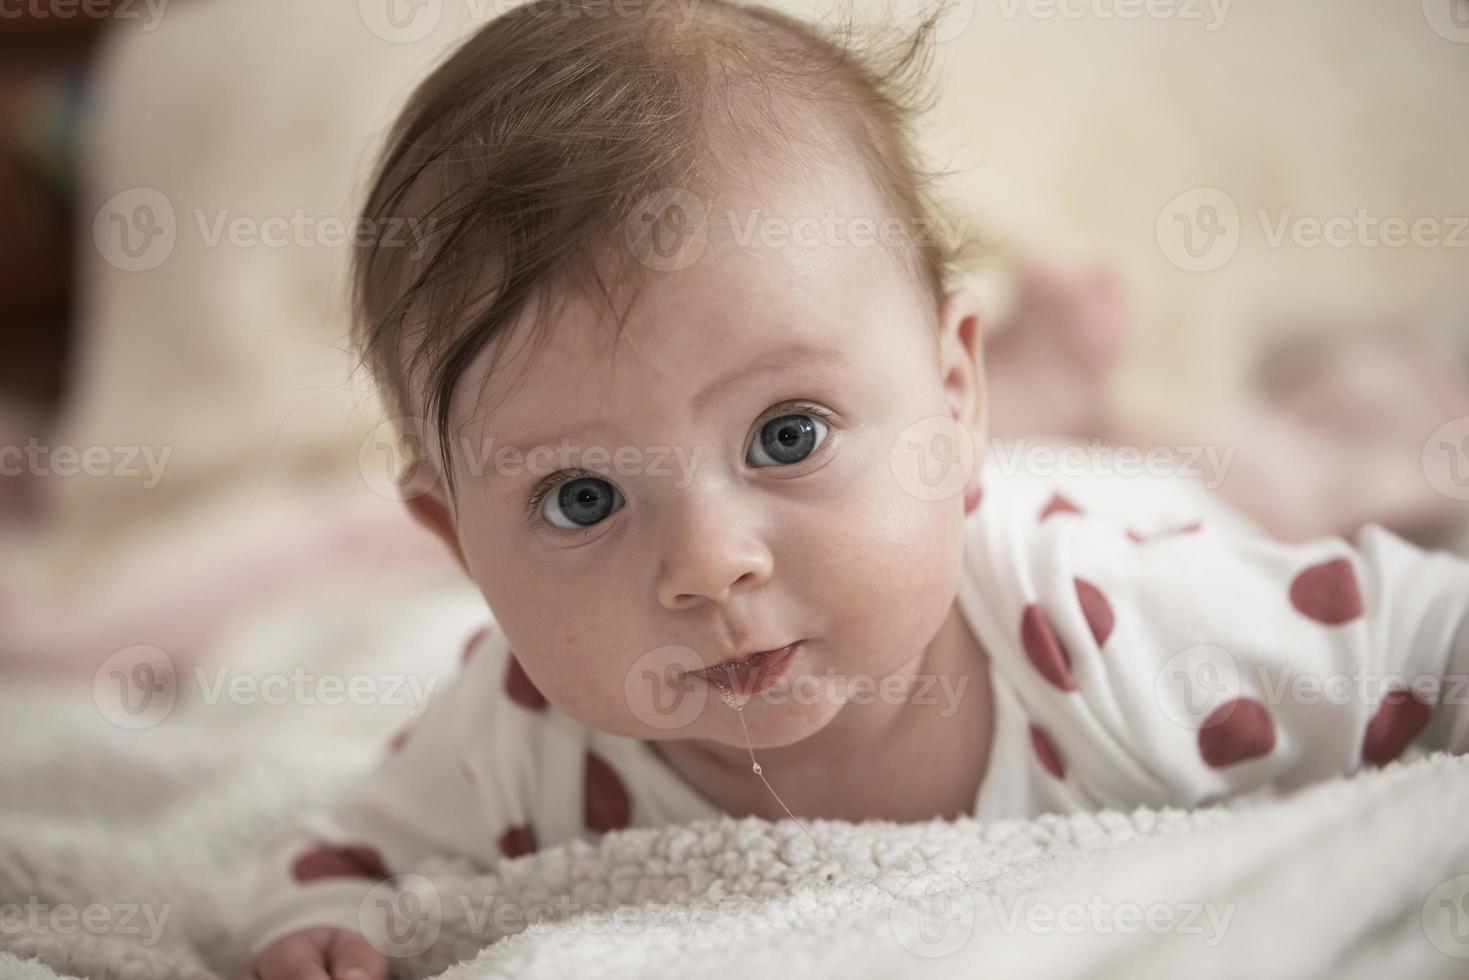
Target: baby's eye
x=787 y=439
x=580 y=503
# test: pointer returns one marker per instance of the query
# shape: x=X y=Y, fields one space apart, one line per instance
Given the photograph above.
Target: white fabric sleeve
x=419 y=798
x=1195 y=664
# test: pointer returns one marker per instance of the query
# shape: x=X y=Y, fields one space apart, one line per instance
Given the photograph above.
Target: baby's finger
x=294 y=960
x=352 y=957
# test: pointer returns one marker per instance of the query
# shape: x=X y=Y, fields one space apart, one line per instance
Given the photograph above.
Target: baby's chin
x=788 y=712
x=771 y=720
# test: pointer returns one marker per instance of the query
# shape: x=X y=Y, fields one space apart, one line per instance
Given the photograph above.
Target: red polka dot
x=472 y=643
x=972 y=498
x=519 y=687
x=1400 y=719
x=1328 y=593
x=517 y=840
x=1097 y=610
x=608 y=807
x=1193 y=528
x=1045 y=750
x=1236 y=731
x=1044 y=651
x=1059 y=505
x=346 y=861
x=400 y=738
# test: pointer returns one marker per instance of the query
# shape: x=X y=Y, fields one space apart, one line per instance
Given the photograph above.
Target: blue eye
x=578 y=503
x=788 y=439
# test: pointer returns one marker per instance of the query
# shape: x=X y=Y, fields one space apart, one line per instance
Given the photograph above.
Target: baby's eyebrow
x=784 y=358
x=788 y=357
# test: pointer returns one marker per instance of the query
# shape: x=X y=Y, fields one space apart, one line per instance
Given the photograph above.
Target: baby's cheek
x=588 y=685
x=900 y=585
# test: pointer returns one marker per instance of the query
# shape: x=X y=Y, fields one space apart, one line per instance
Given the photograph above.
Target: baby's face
x=732 y=480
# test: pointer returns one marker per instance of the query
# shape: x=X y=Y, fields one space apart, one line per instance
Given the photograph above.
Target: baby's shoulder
x=512 y=732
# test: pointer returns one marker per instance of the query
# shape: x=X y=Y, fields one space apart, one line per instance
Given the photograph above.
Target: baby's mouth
x=751 y=674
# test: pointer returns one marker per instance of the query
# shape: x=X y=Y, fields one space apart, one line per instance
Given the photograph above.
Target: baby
x=705 y=419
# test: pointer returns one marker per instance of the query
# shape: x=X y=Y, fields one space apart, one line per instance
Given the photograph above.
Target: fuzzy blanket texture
x=126 y=854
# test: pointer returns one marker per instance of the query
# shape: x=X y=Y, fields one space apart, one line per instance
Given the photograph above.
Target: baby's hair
x=518 y=160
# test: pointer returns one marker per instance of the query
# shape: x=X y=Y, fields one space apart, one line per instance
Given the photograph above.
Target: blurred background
x=178 y=178
x=1241 y=227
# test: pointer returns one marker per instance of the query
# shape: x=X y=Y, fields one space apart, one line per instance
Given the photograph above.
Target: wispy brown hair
x=523 y=154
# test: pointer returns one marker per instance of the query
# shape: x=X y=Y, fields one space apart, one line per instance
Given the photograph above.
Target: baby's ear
x=429 y=509
x=961 y=359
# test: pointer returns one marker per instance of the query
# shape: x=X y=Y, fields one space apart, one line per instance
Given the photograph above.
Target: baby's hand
x=318 y=953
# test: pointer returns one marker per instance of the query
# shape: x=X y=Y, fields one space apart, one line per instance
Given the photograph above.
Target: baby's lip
x=745 y=660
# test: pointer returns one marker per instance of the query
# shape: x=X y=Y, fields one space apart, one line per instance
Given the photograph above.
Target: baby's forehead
x=784 y=272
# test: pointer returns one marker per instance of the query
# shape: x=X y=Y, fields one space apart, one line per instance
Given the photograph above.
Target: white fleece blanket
x=126 y=854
